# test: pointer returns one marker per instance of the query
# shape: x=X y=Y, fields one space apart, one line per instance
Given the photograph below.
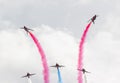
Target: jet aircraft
x=57 y=65
x=28 y=75
x=94 y=18
x=26 y=29
x=83 y=70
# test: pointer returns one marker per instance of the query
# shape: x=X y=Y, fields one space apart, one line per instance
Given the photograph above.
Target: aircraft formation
x=28 y=75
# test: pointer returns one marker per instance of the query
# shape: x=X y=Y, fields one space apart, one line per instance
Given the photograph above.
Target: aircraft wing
x=24 y=76
x=29 y=29
x=87 y=72
x=89 y=20
x=53 y=66
x=61 y=66
x=32 y=74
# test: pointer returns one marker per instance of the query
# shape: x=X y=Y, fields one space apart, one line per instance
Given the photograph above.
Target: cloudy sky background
x=58 y=25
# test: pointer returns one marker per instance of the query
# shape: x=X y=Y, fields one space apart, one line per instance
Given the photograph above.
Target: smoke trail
x=80 y=58
x=85 y=78
x=59 y=76
x=29 y=80
x=44 y=61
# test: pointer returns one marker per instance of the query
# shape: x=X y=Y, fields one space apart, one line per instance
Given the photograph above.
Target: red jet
x=57 y=65
x=83 y=70
x=94 y=18
x=26 y=29
x=28 y=75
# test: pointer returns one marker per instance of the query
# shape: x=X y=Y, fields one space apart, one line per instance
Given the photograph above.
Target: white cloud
x=102 y=58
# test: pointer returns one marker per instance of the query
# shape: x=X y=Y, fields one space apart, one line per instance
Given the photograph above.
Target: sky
x=58 y=25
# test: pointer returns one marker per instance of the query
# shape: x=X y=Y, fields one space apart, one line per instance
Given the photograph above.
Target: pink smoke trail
x=80 y=58
x=44 y=61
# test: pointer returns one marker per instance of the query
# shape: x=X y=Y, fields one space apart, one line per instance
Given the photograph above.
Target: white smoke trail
x=29 y=80
x=85 y=78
